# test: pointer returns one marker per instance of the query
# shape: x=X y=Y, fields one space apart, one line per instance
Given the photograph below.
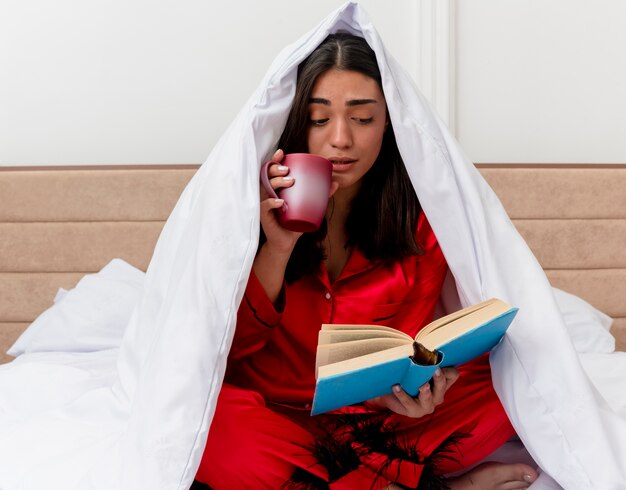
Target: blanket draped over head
x=144 y=424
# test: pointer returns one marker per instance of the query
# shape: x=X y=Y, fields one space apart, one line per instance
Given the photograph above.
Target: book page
x=354 y=326
x=452 y=317
x=462 y=324
x=336 y=336
x=332 y=353
x=364 y=361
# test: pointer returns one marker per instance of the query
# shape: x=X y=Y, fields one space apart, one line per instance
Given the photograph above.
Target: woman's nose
x=341 y=136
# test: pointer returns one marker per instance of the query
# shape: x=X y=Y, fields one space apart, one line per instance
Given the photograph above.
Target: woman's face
x=347 y=120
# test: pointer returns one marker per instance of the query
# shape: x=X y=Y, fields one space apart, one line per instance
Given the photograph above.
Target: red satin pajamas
x=262 y=431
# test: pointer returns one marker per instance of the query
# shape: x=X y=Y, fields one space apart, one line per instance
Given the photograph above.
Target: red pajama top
x=273 y=352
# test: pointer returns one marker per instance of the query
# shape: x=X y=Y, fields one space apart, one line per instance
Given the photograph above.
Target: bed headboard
x=573 y=217
x=57 y=224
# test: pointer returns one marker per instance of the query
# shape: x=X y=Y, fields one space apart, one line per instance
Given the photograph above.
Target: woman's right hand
x=279 y=239
x=271 y=261
x=400 y=402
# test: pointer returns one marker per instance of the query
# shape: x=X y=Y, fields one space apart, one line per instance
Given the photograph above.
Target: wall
x=137 y=81
x=541 y=81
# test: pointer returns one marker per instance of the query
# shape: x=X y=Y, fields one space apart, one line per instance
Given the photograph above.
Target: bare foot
x=494 y=476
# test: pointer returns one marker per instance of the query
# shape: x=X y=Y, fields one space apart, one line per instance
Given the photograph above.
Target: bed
x=59 y=223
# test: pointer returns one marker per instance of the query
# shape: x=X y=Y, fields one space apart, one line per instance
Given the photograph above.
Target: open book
x=358 y=362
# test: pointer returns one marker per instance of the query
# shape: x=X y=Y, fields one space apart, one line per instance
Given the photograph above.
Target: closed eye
x=363 y=120
x=318 y=122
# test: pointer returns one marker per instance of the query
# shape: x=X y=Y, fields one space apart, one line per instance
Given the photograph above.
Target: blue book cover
x=356 y=363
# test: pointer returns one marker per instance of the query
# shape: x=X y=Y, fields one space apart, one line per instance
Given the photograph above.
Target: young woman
x=375 y=260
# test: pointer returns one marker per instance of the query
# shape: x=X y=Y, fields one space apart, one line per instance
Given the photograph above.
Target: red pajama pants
x=252 y=444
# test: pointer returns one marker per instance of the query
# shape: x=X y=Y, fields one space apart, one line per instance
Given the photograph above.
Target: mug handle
x=265 y=180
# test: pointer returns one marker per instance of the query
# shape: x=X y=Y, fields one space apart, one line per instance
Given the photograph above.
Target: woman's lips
x=341 y=163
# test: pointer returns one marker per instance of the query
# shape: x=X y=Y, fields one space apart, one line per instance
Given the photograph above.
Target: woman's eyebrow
x=349 y=103
x=319 y=100
x=353 y=102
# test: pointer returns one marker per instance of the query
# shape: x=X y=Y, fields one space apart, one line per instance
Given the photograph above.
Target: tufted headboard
x=58 y=224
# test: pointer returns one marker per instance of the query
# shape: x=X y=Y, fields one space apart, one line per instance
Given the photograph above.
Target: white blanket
x=137 y=417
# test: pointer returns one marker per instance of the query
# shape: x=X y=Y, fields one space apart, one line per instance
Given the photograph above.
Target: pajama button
x=327 y=296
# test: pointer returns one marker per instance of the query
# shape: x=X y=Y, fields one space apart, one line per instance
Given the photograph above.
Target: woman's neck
x=335 y=248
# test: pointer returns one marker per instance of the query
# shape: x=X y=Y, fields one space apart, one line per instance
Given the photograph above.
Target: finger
x=271 y=203
x=278 y=155
x=415 y=407
x=451 y=374
x=439 y=387
x=285 y=181
x=390 y=402
x=407 y=401
x=277 y=170
x=425 y=398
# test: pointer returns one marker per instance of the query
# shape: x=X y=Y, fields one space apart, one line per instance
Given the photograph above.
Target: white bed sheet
x=59 y=377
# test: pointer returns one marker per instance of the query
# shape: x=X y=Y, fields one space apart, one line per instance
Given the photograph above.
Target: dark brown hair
x=383 y=217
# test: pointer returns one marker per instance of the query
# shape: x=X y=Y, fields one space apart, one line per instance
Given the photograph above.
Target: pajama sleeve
x=256 y=318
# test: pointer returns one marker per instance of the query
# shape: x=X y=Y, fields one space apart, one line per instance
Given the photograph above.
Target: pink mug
x=306 y=200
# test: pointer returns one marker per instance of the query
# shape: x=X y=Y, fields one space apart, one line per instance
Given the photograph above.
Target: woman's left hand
x=400 y=402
